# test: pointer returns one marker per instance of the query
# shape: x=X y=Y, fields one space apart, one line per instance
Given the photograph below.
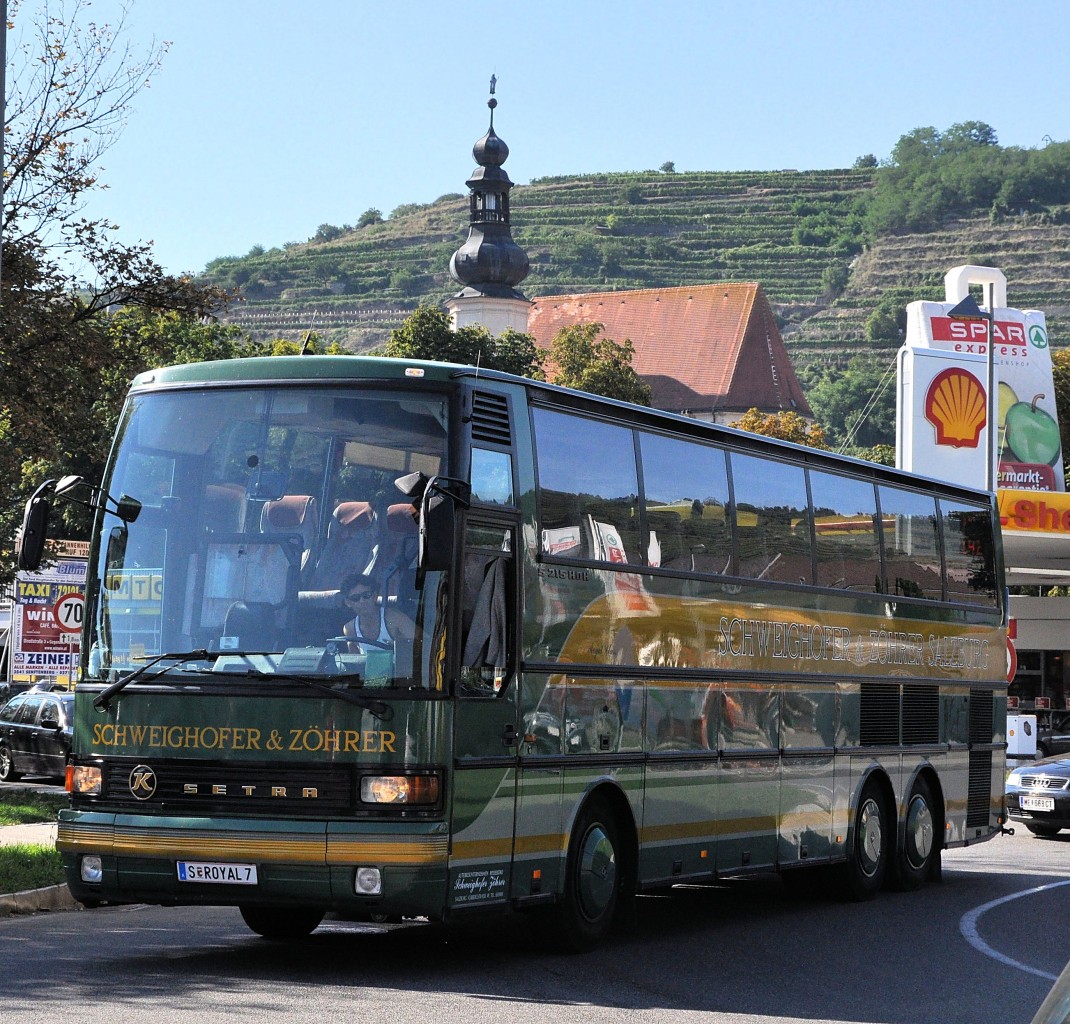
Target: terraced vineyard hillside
x=611 y=231
x=1035 y=258
x=651 y=229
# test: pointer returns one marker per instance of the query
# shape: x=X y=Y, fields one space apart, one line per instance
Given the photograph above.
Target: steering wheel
x=362 y=641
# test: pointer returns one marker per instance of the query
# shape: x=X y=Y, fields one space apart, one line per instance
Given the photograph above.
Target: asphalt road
x=982 y=946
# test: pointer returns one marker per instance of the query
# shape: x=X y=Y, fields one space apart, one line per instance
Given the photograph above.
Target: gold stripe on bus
x=359 y=849
x=261 y=847
x=707 y=829
x=552 y=843
x=500 y=848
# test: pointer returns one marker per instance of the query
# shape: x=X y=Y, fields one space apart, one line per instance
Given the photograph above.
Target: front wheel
x=867 y=860
x=7 y=766
x=922 y=834
x=592 y=879
x=282 y=924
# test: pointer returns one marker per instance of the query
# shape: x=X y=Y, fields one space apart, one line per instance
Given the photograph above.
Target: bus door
x=485 y=738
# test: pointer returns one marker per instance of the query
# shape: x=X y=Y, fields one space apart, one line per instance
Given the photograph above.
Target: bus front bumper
x=129 y=858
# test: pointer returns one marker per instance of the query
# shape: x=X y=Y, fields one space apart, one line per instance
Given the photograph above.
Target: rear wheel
x=7 y=766
x=592 y=879
x=282 y=924
x=867 y=861
x=914 y=863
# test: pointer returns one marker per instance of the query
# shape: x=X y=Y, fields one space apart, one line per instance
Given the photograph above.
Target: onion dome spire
x=489 y=262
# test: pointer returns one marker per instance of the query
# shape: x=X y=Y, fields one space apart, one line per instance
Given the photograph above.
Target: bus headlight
x=368 y=882
x=399 y=789
x=91 y=869
x=84 y=779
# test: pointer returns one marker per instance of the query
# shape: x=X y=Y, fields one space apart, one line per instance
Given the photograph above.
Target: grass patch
x=25 y=807
x=29 y=866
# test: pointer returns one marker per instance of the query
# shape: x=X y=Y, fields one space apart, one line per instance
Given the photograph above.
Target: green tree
x=583 y=360
x=370 y=216
x=856 y=406
x=326 y=233
x=834 y=280
x=59 y=353
x=668 y=167
x=427 y=334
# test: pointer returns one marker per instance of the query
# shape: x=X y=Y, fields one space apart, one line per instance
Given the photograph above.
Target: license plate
x=1036 y=803
x=216 y=874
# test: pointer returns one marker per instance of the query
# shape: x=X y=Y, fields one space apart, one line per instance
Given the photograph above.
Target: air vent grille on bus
x=921 y=713
x=490 y=418
x=981 y=708
x=879 y=714
x=979 y=793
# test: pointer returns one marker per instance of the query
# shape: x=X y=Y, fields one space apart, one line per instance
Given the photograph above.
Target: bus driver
x=374 y=623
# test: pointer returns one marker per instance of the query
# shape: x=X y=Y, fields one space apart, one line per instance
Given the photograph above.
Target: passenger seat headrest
x=289 y=512
x=400 y=519
x=357 y=514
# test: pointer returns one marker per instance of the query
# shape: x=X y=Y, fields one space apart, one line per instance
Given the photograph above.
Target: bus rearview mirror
x=30 y=543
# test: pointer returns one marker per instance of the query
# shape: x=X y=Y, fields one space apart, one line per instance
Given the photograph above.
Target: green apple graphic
x=1032 y=434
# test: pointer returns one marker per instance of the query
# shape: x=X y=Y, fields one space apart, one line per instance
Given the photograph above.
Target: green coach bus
x=377 y=637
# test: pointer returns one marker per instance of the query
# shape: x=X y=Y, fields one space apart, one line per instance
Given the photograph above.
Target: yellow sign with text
x=1034 y=511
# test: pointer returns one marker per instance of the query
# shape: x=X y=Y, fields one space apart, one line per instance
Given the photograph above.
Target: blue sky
x=270 y=118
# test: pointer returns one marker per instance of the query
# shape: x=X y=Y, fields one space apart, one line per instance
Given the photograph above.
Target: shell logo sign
x=955 y=406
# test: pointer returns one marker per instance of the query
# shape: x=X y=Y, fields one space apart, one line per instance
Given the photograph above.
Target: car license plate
x=216 y=873
x=1036 y=803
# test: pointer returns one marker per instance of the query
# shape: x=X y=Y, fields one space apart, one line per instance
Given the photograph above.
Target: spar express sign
x=943 y=409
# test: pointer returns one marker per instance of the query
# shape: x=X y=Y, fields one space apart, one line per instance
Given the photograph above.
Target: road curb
x=31 y=901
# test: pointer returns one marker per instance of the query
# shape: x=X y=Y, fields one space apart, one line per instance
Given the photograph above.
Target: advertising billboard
x=943 y=402
x=46 y=626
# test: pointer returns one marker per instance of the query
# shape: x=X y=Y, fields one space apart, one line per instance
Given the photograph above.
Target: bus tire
x=921 y=838
x=7 y=766
x=584 y=914
x=282 y=924
x=867 y=859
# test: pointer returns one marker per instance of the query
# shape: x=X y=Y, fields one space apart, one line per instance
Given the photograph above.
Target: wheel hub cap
x=871 y=836
x=919 y=838
x=598 y=873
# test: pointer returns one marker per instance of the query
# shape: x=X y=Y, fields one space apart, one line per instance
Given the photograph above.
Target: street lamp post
x=968 y=309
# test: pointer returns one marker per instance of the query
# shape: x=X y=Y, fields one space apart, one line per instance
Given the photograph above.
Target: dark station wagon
x=35 y=735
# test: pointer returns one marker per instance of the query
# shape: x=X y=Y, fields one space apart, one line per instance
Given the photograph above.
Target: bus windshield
x=272 y=537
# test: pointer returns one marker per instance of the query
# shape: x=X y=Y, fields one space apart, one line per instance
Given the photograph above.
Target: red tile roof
x=711 y=348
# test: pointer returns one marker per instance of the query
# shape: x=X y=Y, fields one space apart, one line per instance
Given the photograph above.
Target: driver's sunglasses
x=358 y=596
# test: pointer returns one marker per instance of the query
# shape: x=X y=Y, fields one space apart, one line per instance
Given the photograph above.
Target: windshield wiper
x=101 y=699
x=384 y=712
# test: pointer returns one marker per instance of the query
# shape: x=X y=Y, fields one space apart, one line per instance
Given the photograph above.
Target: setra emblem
x=142 y=782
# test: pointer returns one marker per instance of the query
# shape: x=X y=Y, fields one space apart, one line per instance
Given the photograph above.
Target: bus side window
x=588 y=488
x=772 y=520
x=685 y=491
x=911 y=547
x=848 y=549
x=969 y=557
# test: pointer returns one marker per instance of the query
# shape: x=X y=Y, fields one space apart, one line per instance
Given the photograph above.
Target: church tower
x=490 y=264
